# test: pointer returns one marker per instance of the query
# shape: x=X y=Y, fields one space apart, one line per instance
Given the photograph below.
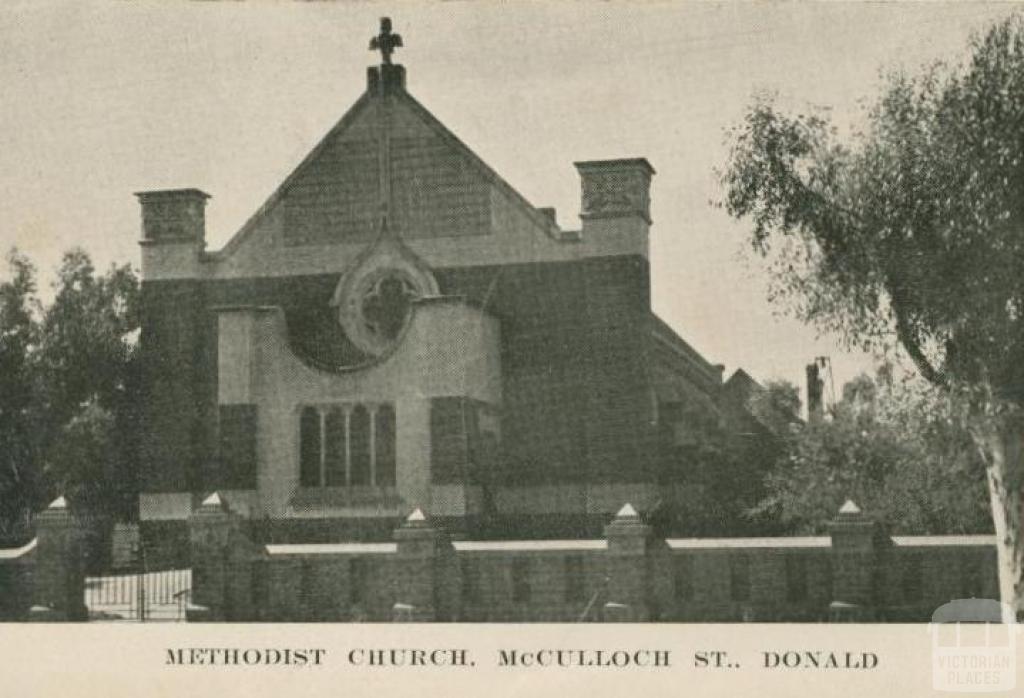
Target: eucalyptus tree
x=910 y=232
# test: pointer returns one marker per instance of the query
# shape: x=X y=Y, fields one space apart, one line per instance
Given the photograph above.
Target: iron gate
x=132 y=590
x=139 y=596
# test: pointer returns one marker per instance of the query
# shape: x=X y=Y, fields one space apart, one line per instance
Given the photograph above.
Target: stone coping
x=967 y=539
x=781 y=542
x=15 y=553
x=482 y=546
x=472 y=546
x=332 y=548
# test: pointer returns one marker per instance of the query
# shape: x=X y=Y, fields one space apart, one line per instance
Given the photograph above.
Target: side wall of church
x=575 y=407
x=175 y=384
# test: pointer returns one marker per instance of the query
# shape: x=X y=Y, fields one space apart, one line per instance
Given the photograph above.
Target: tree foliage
x=87 y=358
x=776 y=407
x=65 y=368
x=909 y=229
x=19 y=331
x=893 y=445
x=725 y=467
x=84 y=354
x=911 y=232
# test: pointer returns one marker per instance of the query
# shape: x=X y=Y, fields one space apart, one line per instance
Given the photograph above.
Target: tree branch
x=904 y=332
x=908 y=338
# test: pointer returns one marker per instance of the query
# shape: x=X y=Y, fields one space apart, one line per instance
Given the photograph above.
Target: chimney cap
x=618 y=164
x=171 y=194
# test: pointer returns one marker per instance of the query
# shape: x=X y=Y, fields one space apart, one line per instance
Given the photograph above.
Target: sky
x=103 y=99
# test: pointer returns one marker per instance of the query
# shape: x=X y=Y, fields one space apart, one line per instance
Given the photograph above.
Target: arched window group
x=347 y=445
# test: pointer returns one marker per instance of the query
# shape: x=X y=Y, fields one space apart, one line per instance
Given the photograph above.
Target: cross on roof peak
x=386 y=42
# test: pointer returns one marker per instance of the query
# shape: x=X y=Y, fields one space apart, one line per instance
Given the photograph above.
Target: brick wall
x=16 y=582
x=732 y=581
x=920 y=573
x=675 y=580
x=743 y=579
x=173 y=403
x=529 y=584
x=312 y=587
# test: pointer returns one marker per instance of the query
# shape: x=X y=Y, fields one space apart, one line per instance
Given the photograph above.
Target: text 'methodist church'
x=398 y=328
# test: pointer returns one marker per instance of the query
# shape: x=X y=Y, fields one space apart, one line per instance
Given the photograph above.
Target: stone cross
x=386 y=42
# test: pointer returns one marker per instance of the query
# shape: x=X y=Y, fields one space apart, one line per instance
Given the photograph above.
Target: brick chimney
x=173 y=232
x=173 y=215
x=815 y=389
x=616 y=204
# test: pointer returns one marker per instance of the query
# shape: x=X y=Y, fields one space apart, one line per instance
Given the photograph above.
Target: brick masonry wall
x=782 y=584
x=524 y=586
x=699 y=585
x=173 y=403
x=16 y=585
x=914 y=580
x=306 y=588
x=484 y=587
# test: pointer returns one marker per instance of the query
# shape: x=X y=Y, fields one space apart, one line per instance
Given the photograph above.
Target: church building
x=398 y=328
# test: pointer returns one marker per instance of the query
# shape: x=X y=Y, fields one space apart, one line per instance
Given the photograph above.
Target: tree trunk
x=1001 y=440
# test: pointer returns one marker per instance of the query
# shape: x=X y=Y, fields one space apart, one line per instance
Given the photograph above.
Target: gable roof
x=662 y=333
x=742 y=385
x=542 y=221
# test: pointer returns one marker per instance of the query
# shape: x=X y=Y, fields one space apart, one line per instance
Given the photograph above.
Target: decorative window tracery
x=374 y=297
x=386 y=304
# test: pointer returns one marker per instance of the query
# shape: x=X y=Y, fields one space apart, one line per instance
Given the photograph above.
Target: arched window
x=359 y=446
x=338 y=450
x=334 y=448
x=309 y=447
x=384 y=436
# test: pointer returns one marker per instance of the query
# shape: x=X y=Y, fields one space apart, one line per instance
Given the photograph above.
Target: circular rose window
x=375 y=297
x=385 y=304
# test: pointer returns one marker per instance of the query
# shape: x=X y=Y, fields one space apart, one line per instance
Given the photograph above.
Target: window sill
x=346 y=496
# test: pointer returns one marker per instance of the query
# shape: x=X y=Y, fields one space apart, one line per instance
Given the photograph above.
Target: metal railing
x=139 y=596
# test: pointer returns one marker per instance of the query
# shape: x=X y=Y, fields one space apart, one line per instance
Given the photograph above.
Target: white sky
x=100 y=100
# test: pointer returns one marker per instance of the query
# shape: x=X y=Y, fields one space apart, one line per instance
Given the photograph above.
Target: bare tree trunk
x=1001 y=440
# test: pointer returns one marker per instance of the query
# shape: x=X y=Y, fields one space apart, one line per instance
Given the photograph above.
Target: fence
x=44 y=580
x=423 y=575
x=139 y=596
x=629 y=575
